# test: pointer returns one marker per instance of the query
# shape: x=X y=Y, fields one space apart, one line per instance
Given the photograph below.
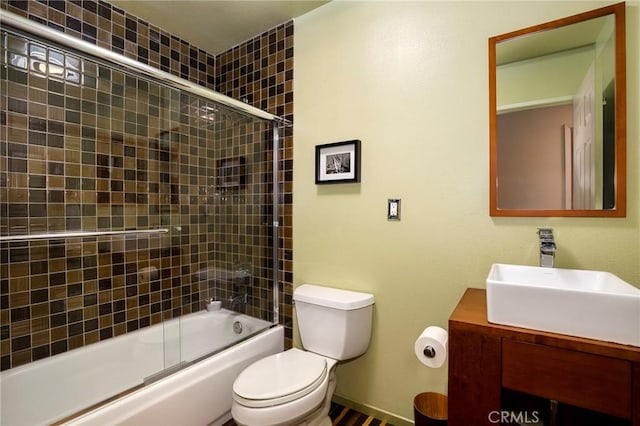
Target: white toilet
x=295 y=387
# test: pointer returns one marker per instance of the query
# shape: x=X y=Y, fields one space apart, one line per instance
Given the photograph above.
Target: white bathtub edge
x=197 y=395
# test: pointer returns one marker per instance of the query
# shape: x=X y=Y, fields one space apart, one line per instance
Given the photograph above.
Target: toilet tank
x=333 y=322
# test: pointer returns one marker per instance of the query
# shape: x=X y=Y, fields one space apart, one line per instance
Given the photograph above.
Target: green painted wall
x=410 y=80
x=542 y=78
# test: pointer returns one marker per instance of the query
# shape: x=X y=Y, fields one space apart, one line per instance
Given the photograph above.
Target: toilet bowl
x=295 y=387
x=284 y=389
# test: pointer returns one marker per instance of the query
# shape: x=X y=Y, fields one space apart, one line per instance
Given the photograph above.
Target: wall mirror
x=557 y=94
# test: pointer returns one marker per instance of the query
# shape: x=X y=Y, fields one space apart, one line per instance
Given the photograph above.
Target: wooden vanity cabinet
x=492 y=367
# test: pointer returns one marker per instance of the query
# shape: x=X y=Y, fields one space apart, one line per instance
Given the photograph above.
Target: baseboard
x=391 y=418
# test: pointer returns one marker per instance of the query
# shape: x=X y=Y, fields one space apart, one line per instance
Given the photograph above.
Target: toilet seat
x=280 y=378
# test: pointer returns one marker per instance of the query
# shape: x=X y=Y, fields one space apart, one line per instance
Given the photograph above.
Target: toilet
x=295 y=387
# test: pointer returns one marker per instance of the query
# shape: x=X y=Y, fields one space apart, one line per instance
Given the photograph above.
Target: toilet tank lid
x=332 y=297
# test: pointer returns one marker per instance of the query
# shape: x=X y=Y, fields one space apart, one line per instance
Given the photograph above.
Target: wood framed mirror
x=557 y=102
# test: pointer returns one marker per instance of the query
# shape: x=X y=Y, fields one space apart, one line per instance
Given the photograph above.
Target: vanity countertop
x=471 y=314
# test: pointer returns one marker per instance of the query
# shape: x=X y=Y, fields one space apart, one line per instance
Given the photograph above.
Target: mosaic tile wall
x=260 y=72
x=94 y=156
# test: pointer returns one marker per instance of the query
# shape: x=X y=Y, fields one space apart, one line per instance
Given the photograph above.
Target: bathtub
x=200 y=393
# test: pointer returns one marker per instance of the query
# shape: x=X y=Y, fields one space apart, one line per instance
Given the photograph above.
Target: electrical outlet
x=393 y=209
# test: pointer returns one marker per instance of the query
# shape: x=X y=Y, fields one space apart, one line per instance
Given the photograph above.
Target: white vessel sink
x=591 y=304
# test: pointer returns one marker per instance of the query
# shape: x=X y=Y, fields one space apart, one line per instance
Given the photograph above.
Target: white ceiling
x=216 y=25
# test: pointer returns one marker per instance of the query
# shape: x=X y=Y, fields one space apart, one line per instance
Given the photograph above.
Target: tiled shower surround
x=117 y=152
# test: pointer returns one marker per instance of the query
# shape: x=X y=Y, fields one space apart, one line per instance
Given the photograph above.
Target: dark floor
x=343 y=416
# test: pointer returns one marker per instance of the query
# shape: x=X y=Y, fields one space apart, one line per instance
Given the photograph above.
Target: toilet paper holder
x=429 y=351
x=431 y=347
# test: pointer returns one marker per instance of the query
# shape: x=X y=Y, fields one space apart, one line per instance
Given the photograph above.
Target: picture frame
x=338 y=162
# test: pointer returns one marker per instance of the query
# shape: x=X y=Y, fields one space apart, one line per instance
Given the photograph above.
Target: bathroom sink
x=591 y=304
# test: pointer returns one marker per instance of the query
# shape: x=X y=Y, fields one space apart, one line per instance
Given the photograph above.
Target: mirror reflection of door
x=533 y=145
x=584 y=172
x=536 y=102
x=555 y=135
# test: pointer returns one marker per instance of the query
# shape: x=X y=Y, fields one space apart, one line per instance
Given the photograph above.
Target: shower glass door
x=153 y=201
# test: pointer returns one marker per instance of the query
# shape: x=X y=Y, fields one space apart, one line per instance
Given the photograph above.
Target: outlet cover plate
x=393 y=209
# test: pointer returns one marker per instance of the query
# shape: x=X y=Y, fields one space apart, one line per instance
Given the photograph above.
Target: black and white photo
x=338 y=162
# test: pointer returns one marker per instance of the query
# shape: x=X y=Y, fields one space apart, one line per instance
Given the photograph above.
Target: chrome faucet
x=236 y=301
x=547 y=247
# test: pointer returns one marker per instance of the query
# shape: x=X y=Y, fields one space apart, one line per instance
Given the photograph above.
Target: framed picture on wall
x=338 y=162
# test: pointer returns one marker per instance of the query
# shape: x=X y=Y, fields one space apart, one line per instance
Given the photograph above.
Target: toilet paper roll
x=431 y=346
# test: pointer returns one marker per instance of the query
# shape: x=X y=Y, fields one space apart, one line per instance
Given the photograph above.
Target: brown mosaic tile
x=110 y=154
